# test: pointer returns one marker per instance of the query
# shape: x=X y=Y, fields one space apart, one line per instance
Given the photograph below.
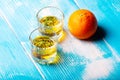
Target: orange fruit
x=82 y=24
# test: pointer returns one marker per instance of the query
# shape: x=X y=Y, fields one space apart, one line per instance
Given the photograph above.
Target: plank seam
x=76 y=4
x=26 y=53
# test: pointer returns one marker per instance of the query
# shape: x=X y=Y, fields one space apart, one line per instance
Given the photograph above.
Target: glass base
x=51 y=60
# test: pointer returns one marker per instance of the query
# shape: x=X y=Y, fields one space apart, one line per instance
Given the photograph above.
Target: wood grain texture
x=94 y=59
x=14 y=64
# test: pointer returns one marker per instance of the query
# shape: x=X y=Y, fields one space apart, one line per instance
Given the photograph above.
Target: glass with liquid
x=51 y=20
x=43 y=47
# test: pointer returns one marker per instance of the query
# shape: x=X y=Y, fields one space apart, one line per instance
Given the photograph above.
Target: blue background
x=94 y=59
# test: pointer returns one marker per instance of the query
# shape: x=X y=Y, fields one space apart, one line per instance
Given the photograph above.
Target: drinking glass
x=43 y=47
x=51 y=19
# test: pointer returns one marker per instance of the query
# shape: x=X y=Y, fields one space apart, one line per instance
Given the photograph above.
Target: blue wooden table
x=95 y=59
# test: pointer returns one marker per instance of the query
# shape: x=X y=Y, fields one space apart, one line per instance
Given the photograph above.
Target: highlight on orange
x=82 y=24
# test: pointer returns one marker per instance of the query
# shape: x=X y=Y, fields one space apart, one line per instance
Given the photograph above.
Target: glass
x=44 y=47
x=51 y=20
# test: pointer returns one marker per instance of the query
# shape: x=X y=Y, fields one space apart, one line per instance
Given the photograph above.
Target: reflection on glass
x=44 y=47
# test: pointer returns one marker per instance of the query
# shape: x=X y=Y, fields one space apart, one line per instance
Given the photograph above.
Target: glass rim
x=49 y=7
x=32 y=33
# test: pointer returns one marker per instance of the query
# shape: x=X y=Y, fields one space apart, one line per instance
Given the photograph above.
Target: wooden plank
x=78 y=58
x=14 y=64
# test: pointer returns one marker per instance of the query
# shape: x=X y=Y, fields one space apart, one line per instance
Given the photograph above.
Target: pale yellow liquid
x=52 y=25
x=44 y=49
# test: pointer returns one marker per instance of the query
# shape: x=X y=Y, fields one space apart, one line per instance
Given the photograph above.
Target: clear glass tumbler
x=51 y=19
x=43 y=47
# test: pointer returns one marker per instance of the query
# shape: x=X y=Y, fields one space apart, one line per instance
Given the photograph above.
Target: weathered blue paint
x=14 y=64
x=94 y=59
